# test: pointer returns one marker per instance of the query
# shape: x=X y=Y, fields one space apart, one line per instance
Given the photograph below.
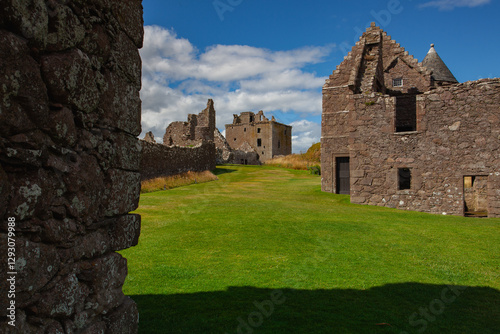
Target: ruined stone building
x=407 y=135
x=250 y=132
x=198 y=129
x=70 y=114
x=187 y=146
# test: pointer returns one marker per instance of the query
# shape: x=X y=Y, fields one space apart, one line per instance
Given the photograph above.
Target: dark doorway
x=343 y=176
x=404 y=178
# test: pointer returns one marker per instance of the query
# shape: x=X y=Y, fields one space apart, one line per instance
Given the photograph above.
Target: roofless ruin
x=407 y=135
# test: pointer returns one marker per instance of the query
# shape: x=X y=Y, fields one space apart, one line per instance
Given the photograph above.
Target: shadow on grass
x=394 y=308
x=220 y=171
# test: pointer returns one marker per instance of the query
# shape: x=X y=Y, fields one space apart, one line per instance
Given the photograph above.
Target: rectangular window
x=404 y=178
x=406 y=113
x=244 y=129
x=259 y=142
x=398 y=82
x=258 y=130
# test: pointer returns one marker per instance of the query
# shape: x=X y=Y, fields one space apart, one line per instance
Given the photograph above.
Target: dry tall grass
x=311 y=160
x=174 y=181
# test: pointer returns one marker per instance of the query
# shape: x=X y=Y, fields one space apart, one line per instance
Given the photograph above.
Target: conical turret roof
x=440 y=72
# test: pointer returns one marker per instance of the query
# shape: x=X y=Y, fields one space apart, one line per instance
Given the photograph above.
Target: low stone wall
x=70 y=111
x=160 y=160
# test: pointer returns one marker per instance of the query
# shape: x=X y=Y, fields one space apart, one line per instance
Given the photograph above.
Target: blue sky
x=274 y=55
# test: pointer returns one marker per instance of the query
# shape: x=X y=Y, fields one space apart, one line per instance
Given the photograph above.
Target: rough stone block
x=127 y=60
x=25 y=100
x=123 y=320
x=118 y=105
x=66 y=31
x=122 y=195
x=71 y=80
x=36 y=264
x=129 y=15
x=66 y=298
x=125 y=232
x=28 y=18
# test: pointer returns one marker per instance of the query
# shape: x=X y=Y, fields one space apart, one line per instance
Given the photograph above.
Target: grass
x=311 y=160
x=174 y=181
x=263 y=250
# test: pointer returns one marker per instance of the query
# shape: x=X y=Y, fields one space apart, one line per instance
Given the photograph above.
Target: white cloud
x=305 y=133
x=451 y=4
x=178 y=79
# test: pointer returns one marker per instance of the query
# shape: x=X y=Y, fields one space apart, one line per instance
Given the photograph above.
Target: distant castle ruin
x=197 y=145
x=254 y=132
x=187 y=146
x=407 y=135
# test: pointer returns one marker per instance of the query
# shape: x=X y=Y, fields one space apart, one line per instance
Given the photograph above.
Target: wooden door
x=343 y=176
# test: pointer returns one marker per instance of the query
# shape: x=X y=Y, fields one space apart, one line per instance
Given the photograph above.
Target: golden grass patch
x=174 y=181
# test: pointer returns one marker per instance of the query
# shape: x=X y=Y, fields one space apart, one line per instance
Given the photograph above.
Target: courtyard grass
x=263 y=250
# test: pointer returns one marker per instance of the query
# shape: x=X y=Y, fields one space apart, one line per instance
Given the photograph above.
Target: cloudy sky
x=274 y=55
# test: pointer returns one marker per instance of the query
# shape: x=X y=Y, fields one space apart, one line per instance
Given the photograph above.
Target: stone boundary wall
x=70 y=112
x=458 y=134
x=160 y=160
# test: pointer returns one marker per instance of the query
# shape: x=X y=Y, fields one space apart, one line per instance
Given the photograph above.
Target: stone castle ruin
x=69 y=164
x=197 y=145
x=197 y=130
x=187 y=146
x=255 y=139
x=407 y=135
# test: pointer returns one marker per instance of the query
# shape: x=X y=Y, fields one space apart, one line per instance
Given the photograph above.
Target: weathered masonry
x=267 y=138
x=187 y=146
x=70 y=114
x=407 y=135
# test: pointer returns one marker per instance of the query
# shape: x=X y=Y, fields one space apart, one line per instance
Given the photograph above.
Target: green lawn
x=263 y=250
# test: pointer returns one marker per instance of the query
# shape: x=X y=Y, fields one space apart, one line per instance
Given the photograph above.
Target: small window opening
x=404 y=178
x=406 y=113
x=244 y=129
x=279 y=144
x=251 y=119
x=234 y=139
x=259 y=142
x=397 y=82
x=258 y=130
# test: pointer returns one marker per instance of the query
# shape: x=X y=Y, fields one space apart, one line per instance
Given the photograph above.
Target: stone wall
x=160 y=160
x=458 y=135
x=70 y=114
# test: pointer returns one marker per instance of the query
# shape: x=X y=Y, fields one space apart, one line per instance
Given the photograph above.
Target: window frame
x=398 y=80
